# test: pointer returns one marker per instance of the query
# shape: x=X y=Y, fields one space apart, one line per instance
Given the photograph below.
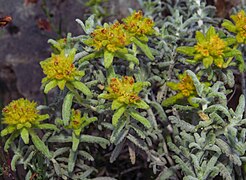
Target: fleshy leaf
x=117 y=114
x=140 y=118
x=82 y=87
x=25 y=135
x=108 y=58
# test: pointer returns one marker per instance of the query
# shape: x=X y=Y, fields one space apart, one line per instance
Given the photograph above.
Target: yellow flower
x=240 y=23
x=76 y=120
x=59 y=69
x=20 y=111
x=78 y=123
x=20 y=114
x=124 y=91
x=186 y=90
x=138 y=25
x=111 y=37
x=186 y=86
x=213 y=46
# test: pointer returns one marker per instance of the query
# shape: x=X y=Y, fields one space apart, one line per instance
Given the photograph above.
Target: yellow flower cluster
x=138 y=25
x=213 y=46
x=60 y=67
x=123 y=90
x=186 y=86
x=20 y=111
x=240 y=26
x=112 y=37
x=118 y=35
x=76 y=120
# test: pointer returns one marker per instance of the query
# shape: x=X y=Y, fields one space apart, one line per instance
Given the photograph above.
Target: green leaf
x=89 y=57
x=116 y=104
x=14 y=160
x=144 y=47
x=241 y=107
x=8 y=130
x=39 y=144
x=229 y=26
x=10 y=140
x=82 y=87
x=71 y=161
x=116 y=152
x=117 y=114
x=207 y=61
x=184 y=167
x=186 y=50
x=66 y=108
x=61 y=84
x=47 y=126
x=232 y=53
x=141 y=104
x=211 y=32
x=200 y=37
x=25 y=135
x=138 y=86
x=128 y=57
x=133 y=113
x=52 y=84
x=43 y=117
x=86 y=155
x=93 y=139
x=172 y=100
x=108 y=58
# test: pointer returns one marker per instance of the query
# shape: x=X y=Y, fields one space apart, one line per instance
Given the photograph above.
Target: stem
x=110 y=73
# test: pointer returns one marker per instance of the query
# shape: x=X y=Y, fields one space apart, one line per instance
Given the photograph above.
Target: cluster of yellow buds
x=125 y=91
x=59 y=70
x=19 y=113
x=111 y=37
x=118 y=35
x=239 y=28
x=78 y=122
x=185 y=88
x=137 y=25
x=20 y=116
x=211 y=50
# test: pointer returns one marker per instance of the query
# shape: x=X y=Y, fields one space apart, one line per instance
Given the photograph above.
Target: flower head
x=125 y=90
x=59 y=69
x=78 y=123
x=239 y=26
x=76 y=120
x=186 y=85
x=20 y=114
x=185 y=88
x=212 y=46
x=138 y=25
x=211 y=50
x=20 y=111
x=110 y=37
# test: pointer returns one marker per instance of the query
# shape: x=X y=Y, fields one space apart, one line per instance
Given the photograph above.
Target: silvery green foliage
x=208 y=141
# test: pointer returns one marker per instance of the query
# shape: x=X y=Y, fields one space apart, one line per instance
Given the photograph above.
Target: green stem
x=110 y=73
